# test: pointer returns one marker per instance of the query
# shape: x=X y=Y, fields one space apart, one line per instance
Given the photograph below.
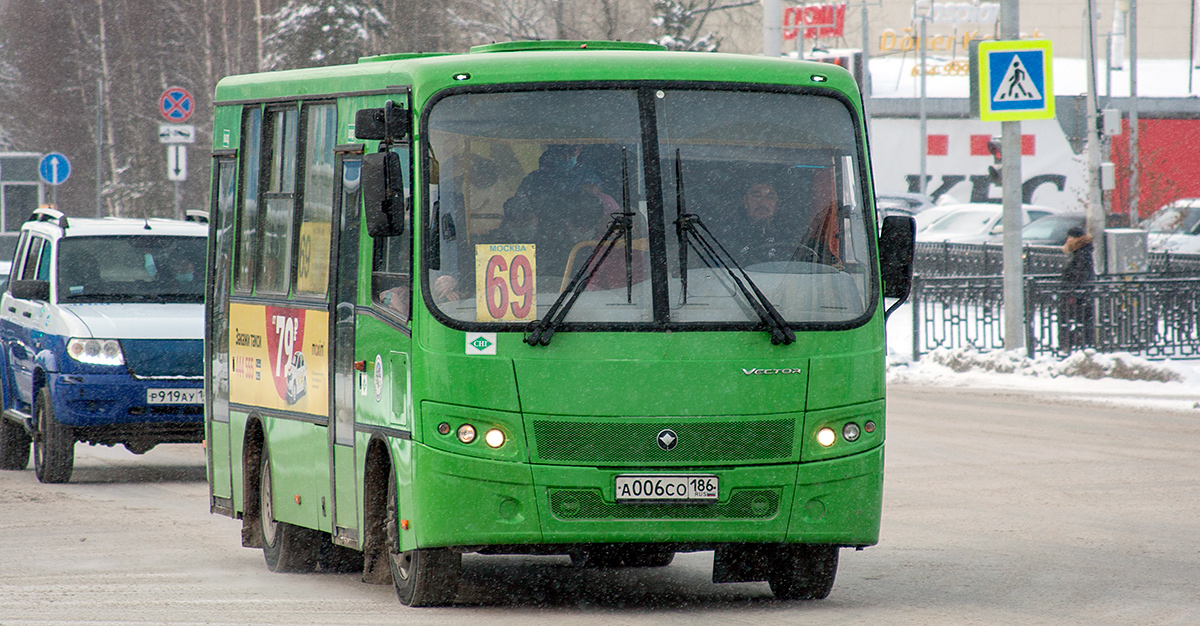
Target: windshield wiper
x=696 y=235
x=540 y=331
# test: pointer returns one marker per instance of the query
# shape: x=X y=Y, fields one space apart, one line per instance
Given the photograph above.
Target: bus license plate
x=696 y=487
x=174 y=396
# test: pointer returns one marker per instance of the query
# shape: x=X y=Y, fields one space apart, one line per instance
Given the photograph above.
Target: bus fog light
x=869 y=427
x=494 y=438
x=850 y=431
x=826 y=436
x=466 y=433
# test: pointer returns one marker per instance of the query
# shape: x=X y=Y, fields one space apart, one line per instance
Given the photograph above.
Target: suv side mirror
x=896 y=245
x=31 y=290
x=383 y=193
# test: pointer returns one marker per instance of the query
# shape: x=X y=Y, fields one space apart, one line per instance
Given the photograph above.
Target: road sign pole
x=1010 y=150
x=178 y=207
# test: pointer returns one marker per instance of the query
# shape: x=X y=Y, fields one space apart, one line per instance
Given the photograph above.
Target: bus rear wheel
x=804 y=572
x=424 y=576
x=53 y=444
x=14 y=445
x=286 y=547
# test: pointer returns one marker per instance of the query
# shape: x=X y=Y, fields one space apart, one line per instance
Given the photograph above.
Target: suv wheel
x=53 y=443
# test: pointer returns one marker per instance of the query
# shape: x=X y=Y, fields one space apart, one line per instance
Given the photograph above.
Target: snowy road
x=1000 y=508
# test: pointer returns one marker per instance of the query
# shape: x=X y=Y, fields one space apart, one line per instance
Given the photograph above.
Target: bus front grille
x=631 y=442
x=589 y=504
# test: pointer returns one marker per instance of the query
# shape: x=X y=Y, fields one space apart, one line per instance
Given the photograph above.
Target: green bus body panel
x=540 y=487
x=430 y=74
x=474 y=501
x=293 y=446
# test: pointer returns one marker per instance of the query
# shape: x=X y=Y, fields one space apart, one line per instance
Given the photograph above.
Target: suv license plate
x=174 y=396
x=694 y=487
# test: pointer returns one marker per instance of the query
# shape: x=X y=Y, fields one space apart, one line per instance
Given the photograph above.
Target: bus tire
x=53 y=443
x=14 y=445
x=286 y=547
x=804 y=572
x=424 y=576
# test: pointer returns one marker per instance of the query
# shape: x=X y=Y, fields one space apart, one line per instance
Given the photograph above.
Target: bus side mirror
x=387 y=123
x=383 y=193
x=896 y=244
x=31 y=290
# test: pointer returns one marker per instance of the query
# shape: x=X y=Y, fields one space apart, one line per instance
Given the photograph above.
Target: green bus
x=593 y=299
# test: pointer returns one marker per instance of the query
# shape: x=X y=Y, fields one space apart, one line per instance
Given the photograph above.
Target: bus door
x=345 y=281
x=216 y=341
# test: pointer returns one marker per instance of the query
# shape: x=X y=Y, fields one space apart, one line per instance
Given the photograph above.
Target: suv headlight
x=96 y=351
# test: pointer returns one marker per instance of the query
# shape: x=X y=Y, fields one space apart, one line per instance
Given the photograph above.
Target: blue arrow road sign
x=54 y=168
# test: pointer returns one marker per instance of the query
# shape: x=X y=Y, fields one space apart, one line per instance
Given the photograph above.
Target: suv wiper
x=696 y=235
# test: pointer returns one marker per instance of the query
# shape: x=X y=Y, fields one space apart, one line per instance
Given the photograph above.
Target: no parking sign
x=176 y=104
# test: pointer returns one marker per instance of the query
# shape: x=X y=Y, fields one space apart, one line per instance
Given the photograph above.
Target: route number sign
x=505 y=282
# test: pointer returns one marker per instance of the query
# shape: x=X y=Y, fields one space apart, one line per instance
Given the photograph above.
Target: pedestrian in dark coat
x=1077 y=311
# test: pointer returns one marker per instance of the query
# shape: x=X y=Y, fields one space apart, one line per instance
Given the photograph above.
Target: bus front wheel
x=422 y=577
x=804 y=572
x=286 y=547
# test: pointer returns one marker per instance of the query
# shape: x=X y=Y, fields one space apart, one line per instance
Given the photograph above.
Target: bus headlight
x=850 y=431
x=466 y=433
x=96 y=351
x=494 y=438
x=826 y=436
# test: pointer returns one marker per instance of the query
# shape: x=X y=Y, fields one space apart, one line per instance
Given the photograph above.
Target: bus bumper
x=467 y=501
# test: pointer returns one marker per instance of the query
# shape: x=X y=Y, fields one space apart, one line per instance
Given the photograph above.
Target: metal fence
x=961 y=259
x=1152 y=317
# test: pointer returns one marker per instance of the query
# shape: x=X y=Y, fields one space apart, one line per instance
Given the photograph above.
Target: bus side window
x=391 y=265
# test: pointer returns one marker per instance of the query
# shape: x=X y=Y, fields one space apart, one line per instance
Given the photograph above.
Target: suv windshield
x=524 y=185
x=142 y=268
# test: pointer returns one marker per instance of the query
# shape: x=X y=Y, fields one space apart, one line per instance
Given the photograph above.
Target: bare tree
x=681 y=23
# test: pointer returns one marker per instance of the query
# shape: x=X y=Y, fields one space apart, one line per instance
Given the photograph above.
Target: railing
x=934 y=259
x=1152 y=317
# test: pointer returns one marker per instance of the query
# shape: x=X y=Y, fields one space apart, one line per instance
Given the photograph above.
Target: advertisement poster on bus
x=279 y=358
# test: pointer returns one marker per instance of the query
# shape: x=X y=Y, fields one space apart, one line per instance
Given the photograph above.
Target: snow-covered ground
x=1118 y=379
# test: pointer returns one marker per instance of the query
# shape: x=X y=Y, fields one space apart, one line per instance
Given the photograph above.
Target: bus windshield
x=524 y=186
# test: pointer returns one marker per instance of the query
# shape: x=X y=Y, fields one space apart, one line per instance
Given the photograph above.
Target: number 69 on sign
x=505 y=282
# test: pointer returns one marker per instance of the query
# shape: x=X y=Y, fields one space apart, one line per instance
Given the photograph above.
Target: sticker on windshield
x=505 y=282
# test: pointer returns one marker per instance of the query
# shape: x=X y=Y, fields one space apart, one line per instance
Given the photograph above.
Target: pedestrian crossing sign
x=1012 y=80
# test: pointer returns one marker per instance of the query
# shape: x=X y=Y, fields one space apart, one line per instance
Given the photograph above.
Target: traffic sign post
x=176 y=105
x=1012 y=80
x=54 y=168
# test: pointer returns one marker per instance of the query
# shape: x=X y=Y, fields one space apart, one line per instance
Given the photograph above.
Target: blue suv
x=102 y=327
